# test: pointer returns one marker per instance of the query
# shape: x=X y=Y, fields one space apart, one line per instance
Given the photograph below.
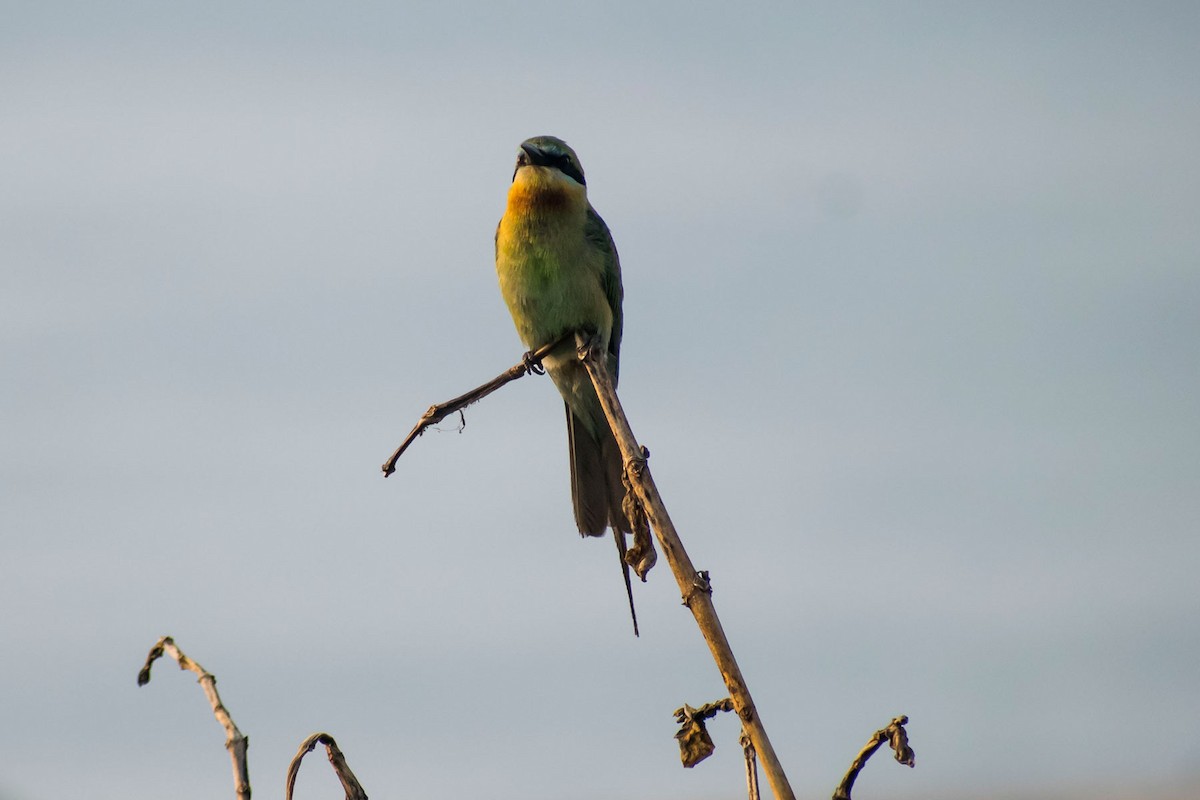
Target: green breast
x=552 y=280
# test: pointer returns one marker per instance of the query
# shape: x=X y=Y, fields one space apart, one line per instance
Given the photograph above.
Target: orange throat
x=526 y=199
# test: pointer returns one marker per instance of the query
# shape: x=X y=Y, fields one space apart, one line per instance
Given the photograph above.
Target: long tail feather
x=597 y=491
x=620 y=538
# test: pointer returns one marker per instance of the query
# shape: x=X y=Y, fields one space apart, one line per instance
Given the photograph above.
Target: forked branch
x=235 y=742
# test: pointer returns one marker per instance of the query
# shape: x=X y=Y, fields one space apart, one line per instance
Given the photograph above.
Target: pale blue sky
x=912 y=332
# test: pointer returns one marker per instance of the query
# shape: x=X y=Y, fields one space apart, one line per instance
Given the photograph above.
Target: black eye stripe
x=560 y=161
x=567 y=168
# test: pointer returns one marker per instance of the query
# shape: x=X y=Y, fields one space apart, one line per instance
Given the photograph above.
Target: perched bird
x=559 y=274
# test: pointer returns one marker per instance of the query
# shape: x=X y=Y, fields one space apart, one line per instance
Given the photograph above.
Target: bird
x=559 y=273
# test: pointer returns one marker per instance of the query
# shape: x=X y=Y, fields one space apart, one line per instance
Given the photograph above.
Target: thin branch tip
x=155 y=653
x=531 y=364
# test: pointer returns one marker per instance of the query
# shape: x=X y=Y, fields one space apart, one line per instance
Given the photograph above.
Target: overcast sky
x=912 y=333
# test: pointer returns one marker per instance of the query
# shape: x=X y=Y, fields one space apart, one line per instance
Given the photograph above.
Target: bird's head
x=549 y=155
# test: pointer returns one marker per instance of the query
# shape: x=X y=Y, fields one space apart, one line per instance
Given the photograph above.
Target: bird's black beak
x=531 y=155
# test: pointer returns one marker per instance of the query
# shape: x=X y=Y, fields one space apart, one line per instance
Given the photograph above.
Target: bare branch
x=893 y=734
x=235 y=742
x=350 y=784
x=694 y=585
x=531 y=363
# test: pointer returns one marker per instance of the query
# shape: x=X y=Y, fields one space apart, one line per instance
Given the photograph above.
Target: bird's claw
x=588 y=344
x=533 y=365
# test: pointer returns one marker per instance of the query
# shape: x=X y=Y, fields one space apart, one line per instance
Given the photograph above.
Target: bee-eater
x=559 y=274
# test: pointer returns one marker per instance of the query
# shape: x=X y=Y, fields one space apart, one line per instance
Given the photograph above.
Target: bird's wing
x=598 y=236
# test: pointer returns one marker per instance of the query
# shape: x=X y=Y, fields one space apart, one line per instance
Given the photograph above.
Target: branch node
x=636 y=464
x=700 y=583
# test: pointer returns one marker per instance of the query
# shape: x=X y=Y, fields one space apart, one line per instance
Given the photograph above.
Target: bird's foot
x=588 y=345
x=533 y=364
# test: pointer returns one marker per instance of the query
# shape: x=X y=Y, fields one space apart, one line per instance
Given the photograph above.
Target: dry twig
x=693 y=584
x=751 y=766
x=893 y=734
x=532 y=363
x=235 y=742
x=350 y=784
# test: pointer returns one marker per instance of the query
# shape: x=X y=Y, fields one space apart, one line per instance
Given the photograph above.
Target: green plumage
x=559 y=273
